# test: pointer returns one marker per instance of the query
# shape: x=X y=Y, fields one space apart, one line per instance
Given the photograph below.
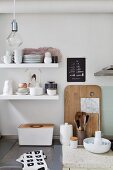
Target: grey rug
x=53 y=153
x=5 y=146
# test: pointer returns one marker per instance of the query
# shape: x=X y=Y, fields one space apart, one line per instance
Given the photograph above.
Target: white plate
x=32 y=62
x=32 y=59
x=33 y=56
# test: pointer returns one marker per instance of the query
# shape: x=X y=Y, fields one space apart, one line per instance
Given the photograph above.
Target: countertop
x=80 y=158
x=10 y=151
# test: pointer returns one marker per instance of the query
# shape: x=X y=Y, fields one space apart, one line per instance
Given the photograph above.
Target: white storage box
x=35 y=134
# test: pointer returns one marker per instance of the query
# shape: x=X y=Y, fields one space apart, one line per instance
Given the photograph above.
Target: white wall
x=89 y=35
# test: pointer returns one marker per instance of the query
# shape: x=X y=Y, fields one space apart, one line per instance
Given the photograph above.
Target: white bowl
x=51 y=92
x=36 y=91
x=96 y=148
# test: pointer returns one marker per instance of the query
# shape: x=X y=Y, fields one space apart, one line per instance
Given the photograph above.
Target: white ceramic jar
x=66 y=131
x=73 y=142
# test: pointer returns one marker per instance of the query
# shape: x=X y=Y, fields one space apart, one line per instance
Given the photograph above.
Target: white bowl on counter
x=51 y=92
x=96 y=148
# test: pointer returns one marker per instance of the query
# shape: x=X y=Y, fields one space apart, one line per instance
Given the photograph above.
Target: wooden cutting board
x=72 y=105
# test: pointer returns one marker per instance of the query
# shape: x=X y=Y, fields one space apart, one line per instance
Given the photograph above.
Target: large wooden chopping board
x=72 y=105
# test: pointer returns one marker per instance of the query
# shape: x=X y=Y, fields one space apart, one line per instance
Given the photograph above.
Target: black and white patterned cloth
x=34 y=160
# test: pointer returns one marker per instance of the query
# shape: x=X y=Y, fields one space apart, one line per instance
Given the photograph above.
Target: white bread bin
x=35 y=134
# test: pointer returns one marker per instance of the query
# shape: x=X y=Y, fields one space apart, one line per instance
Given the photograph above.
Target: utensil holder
x=81 y=136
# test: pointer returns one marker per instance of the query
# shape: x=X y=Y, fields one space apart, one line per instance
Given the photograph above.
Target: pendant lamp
x=14 y=39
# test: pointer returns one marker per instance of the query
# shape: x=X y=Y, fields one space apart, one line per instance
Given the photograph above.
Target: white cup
x=18 y=56
x=7 y=89
x=6 y=59
x=18 y=59
x=98 y=134
x=36 y=91
x=97 y=139
x=32 y=91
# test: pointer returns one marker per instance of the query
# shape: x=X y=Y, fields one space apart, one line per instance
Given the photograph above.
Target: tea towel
x=34 y=160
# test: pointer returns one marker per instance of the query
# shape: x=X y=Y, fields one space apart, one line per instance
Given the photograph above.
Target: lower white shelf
x=31 y=65
x=28 y=97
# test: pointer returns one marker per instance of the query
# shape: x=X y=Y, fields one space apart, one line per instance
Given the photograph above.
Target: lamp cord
x=14 y=10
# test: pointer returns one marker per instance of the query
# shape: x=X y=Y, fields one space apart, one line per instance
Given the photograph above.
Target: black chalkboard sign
x=76 y=69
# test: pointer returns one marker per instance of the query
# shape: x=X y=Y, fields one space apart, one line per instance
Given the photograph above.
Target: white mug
x=6 y=59
x=18 y=56
x=18 y=59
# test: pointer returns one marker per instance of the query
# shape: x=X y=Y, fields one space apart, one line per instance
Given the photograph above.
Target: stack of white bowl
x=22 y=89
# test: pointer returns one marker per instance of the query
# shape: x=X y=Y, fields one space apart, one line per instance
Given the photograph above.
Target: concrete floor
x=10 y=151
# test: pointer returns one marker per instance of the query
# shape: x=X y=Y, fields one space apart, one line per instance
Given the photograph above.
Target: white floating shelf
x=41 y=65
x=28 y=97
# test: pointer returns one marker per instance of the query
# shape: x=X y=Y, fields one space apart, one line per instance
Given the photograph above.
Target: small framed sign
x=76 y=71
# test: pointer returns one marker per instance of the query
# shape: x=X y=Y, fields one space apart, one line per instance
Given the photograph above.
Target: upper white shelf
x=41 y=65
x=28 y=97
